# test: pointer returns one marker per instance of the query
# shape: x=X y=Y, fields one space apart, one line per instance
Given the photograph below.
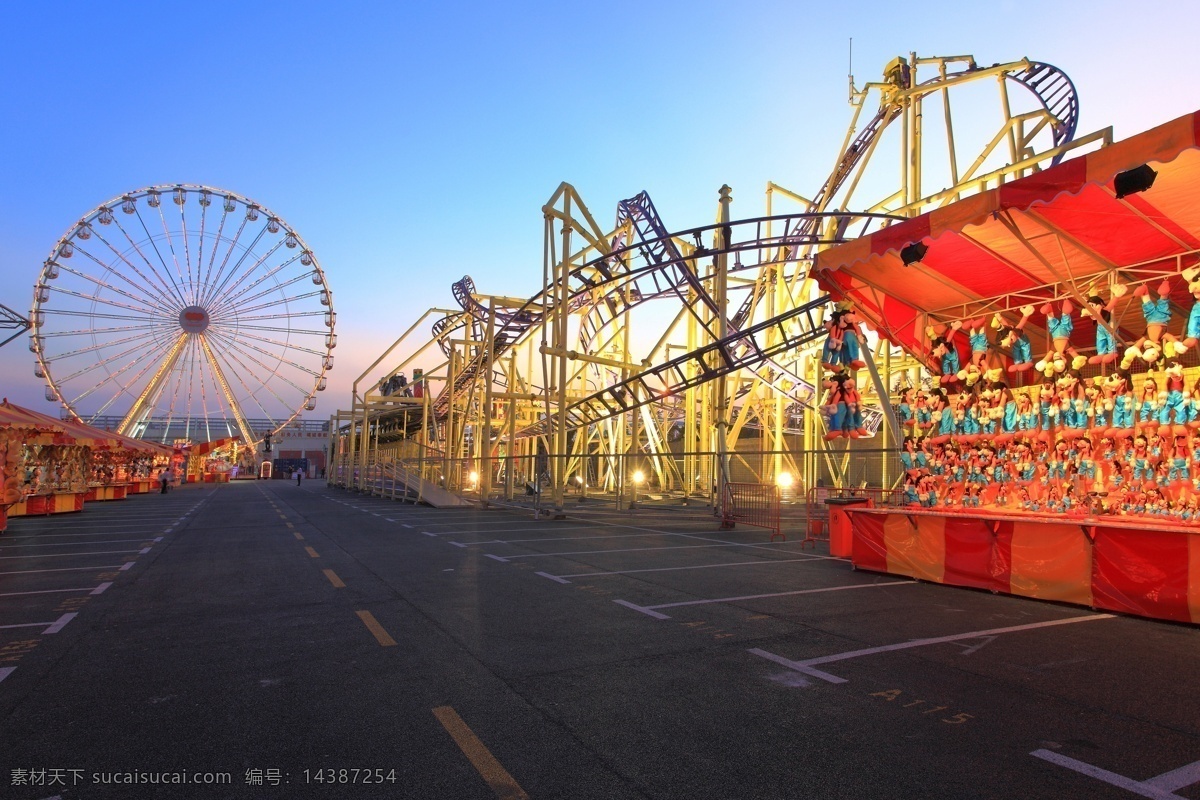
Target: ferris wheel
x=185 y=303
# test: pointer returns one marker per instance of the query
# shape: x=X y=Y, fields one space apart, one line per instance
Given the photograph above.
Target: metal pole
x=720 y=297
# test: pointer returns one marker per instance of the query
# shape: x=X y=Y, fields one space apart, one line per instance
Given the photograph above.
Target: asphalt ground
x=294 y=642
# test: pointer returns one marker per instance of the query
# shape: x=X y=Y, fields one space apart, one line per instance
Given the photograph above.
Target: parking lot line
x=1144 y=788
x=67 y=569
x=807 y=665
x=49 y=591
x=628 y=550
x=653 y=610
x=148 y=529
x=6 y=671
x=676 y=569
x=68 y=555
x=61 y=622
x=74 y=544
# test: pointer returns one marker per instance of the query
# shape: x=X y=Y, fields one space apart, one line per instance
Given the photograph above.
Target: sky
x=410 y=144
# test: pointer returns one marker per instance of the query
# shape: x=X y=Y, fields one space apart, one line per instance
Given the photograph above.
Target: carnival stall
x=45 y=466
x=215 y=461
x=1054 y=451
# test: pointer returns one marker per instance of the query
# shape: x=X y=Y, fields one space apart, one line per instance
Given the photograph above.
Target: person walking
x=299 y=476
x=165 y=480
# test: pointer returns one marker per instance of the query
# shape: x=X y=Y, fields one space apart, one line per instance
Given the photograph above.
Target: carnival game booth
x=113 y=466
x=1055 y=451
x=213 y=462
x=134 y=464
x=45 y=467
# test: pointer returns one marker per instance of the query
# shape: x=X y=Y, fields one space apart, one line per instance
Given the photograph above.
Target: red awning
x=77 y=432
x=13 y=417
x=207 y=447
x=73 y=432
x=1058 y=233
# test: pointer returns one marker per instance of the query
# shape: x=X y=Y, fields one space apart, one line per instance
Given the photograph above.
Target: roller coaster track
x=622 y=286
x=794 y=328
x=1050 y=85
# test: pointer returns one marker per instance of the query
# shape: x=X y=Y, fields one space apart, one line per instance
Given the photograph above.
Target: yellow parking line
x=297 y=535
x=312 y=553
x=503 y=784
x=334 y=579
x=383 y=637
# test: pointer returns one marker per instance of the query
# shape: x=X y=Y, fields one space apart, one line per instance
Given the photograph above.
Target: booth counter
x=1151 y=570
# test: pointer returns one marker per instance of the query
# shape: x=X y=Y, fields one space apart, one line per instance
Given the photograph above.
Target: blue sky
x=411 y=144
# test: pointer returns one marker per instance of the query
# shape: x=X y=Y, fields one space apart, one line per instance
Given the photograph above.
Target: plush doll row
x=1066 y=446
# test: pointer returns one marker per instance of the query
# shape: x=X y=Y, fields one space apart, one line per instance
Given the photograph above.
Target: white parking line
x=100 y=589
x=648 y=609
x=62 y=535
x=68 y=555
x=63 y=569
x=761 y=561
x=1161 y=787
x=6 y=671
x=561 y=538
x=74 y=544
x=807 y=665
x=629 y=550
x=49 y=591
x=61 y=622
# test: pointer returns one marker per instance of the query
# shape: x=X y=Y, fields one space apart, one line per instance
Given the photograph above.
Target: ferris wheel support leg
x=149 y=396
x=247 y=437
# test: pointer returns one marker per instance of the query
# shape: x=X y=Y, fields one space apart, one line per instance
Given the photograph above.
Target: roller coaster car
x=897 y=73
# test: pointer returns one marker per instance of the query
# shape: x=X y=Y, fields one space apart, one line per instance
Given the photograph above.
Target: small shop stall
x=215 y=461
x=1053 y=450
x=45 y=466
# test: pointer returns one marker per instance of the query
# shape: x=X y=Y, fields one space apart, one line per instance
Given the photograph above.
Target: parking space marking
x=101 y=588
x=27 y=625
x=676 y=569
x=66 y=569
x=61 y=622
x=656 y=615
x=562 y=538
x=50 y=591
x=312 y=553
x=75 y=544
x=68 y=555
x=1160 y=787
x=334 y=579
x=61 y=535
x=6 y=671
x=628 y=550
x=807 y=666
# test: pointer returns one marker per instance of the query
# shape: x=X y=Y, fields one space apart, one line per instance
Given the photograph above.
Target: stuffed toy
x=1101 y=312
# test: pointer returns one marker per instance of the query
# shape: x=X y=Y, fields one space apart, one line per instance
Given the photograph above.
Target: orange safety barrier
x=755 y=504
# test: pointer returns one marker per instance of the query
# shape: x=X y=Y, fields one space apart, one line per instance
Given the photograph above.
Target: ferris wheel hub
x=194 y=319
